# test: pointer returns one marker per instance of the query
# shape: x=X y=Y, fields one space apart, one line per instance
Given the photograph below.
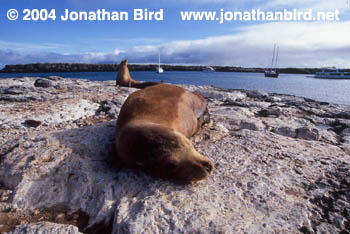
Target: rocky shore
x=282 y=164
x=82 y=67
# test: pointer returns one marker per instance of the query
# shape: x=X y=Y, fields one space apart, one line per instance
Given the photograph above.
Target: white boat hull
x=332 y=73
x=271 y=73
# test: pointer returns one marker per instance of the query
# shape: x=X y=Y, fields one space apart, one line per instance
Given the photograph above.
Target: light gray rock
x=110 y=108
x=346 y=139
x=338 y=220
x=329 y=136
x=45 y=228
x=44 y=83
x=270 y=112
x=229 y=96
x=69 y=167
x=55 y=78
x=285 y=131
x=4 y=207
x=274 y=173
x=273 y=99
x=344 y=122
x=15 y=90
x=345 y=132
x=51 y=112
x=222 y=128
x=257 y=104
x=257 y=94
x=308 y=133
x=252 y=125
x=325 y=229
x=61 y=86
x=4 y=195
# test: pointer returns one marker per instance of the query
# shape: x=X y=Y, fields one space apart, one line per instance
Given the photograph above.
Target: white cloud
x=118 y=51
x=308 y=36
x=301 y=44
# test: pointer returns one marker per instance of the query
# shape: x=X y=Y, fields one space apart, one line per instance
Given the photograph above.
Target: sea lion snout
x=125 y=62
x=198 y=171
x=208 y=166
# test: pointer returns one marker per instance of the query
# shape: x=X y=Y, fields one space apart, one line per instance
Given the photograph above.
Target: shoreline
x=223 y=89
x=83 y=67
x=336 y=100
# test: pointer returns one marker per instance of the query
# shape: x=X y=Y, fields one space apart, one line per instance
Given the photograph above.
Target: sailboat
x=159 y=68
x=272 y=72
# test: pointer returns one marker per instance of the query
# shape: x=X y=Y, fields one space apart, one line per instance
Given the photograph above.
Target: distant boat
x=272 y=72
x=159 y=68
x=332 y=73
x=209 y=69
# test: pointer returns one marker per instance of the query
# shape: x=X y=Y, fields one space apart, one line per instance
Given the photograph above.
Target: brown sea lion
x=152 y=133
x=124 y=79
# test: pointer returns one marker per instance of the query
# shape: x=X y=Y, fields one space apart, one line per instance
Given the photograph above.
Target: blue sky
x=249 y=44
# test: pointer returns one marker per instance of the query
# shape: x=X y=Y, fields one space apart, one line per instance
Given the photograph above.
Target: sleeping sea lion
x=152 y=133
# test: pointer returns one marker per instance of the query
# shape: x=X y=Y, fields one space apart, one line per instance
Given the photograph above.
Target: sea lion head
x=178 y=160
x=124 y=62
x=162 y=152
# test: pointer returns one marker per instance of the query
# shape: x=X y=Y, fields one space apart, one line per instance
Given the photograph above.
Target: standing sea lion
x=124 y=79
x=152 y=133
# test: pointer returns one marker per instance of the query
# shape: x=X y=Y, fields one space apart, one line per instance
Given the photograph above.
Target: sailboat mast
x=276 y=57
x=273 y=55
x=158 y=60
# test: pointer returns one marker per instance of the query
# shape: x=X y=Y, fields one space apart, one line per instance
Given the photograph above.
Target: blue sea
x=333 y=91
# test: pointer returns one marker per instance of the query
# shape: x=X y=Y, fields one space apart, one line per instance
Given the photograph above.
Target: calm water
x=334 y=91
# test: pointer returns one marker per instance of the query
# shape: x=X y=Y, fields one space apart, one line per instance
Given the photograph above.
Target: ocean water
x=333 y=91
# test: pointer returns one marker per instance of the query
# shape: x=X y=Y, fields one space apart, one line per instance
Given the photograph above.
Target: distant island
x=83 y=67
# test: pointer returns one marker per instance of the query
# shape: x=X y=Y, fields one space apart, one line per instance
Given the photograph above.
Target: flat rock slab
x=281 y=165
x=45 y=228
